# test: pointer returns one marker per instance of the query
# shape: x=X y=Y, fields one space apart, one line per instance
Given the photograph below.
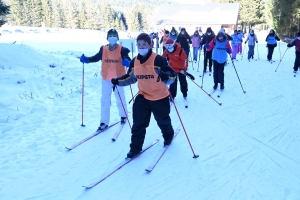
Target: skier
x=114 y=57
x=296 y=43
x=196 y=40
x=164 y=38
x=153 y=74
x=220 y=46
x=173 y=34
x=184 y=40
x=179 y=63
x=251 y=39
x=271 y=40
x=240 y=41
x=235 y=44
x=207 y=38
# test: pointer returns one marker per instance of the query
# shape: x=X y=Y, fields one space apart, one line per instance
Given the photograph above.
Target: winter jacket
x=177 y=59
x=184 y=41
x=207 y=39
x=235 y=39
x=296 y=43
x=196 y=39
x=219 y=53
x=251 y=39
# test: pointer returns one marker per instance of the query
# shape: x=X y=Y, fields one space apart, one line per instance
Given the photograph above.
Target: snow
x=248 y=148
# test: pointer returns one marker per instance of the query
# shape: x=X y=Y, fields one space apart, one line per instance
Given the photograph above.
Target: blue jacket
x=235 y=39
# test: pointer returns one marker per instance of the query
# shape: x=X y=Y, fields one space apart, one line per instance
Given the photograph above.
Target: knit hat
x=169 y=41
x=221 y=31
x=112 y=31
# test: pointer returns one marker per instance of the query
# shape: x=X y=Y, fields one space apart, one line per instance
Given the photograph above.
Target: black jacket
x=184 y=41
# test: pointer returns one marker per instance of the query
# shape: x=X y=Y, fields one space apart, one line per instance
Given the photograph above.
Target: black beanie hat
x=112 y=31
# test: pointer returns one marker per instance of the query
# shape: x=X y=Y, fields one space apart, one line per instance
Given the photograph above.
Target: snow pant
x=195 y=53
x=142 y=109
x=207 y=58
x=270 y=52
x=250 y=51
x=234 y=51
x=107 y=87
x=218 y=72
x=240 y=48
x=183 y=85
x=297 y=61
x=187 y=52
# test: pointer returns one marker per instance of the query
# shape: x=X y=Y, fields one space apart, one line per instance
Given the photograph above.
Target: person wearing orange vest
x=115 y=59
x=153 y=74
x=178 y=61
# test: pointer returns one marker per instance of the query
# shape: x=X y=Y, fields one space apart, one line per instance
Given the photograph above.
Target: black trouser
x=270 y=52
x=142 y=109
x=218 y=72
x=207 y=57
x=297 y=61
x=183 y=85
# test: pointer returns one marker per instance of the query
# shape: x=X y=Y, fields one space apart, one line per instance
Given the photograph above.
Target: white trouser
x=107 y=88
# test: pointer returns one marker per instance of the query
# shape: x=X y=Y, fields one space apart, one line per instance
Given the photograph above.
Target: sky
x=248 y=147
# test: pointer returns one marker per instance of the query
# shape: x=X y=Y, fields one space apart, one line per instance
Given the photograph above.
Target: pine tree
x=71 y=20
x=46 y=13
x=107 y=15
x=4 y=10
x=133 y=19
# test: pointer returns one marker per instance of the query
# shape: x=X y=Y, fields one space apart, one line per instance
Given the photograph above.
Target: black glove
x=256 y=41
x=289 y=45
x=115 y=82
x=245 y=42
x=190 y=76
x=163 y=76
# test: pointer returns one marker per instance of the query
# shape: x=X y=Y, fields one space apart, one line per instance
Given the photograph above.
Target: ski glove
x=289 y=45
x=228 y=50
x=84 y=59
x=245 y=42
x=256 y=41
x=125 y=62
x=115 y=82
x=163 y=76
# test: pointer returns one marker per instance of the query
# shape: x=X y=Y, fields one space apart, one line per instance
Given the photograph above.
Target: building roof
x=217 y=13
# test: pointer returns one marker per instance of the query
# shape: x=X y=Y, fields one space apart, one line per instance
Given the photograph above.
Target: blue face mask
x=112 y=40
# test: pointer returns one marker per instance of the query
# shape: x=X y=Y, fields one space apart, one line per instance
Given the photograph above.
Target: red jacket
x=177 y=59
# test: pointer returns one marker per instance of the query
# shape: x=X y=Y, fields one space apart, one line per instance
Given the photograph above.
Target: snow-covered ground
x=248 y=148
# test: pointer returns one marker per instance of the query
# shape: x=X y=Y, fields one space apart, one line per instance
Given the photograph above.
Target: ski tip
x=148 y=170
x=196 y=156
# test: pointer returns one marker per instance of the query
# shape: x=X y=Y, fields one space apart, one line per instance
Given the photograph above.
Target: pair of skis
x=128 y=160
x=97 y=133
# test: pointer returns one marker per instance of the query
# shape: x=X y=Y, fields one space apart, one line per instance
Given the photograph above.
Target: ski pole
x=131 y=92
x=123 y=107
x=188 y=75
x=187 y=137
x=82 y=94
x=281 y=59
x=279 y=51
x=199 y=60
x=237 y=74
x=257 y=52
x=202 y=79
x=133 y=97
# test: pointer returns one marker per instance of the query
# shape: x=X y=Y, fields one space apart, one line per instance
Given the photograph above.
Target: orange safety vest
x=112 y=63
x=147 y=80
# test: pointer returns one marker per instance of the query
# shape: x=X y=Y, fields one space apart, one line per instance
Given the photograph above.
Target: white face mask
x=112 y=40
x=220 y=38
x=143 y=52
x=173 y=33
x=209 y=33
x=182 y=32
x=171 y=49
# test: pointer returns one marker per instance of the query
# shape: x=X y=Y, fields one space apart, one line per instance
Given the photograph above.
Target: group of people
x=157 y=75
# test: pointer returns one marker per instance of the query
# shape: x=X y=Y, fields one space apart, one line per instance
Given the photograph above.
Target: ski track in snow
x=248 y=148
